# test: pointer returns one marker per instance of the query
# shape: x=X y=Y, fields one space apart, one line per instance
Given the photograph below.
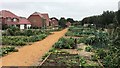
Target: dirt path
x=28 y=55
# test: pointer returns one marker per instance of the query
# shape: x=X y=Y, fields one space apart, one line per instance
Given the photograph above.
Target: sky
x=76 y=9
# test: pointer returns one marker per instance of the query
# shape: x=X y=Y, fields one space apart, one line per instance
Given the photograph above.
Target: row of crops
x=60 y=58
x=89 y=36
x=6 y=50
x=57 y=57
x=98 y=42
x=21 y=40
x=13 y=37
x=81 y=31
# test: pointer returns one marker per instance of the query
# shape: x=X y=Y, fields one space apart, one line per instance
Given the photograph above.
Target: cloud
x=76 y=9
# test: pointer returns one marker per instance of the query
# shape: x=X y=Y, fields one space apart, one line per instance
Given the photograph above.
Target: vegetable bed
x=21 y=40
x=64 y=59
x=6 y=50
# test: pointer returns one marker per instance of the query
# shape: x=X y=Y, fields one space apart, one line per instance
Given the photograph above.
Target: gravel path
x=28 y=55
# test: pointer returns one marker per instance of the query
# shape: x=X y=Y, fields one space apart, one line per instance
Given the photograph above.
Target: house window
x=9 y=19
x=15 y=19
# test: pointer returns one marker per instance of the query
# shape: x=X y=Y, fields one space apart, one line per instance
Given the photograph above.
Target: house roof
x=45 y=15
x=37 y=13
x=24 y=21
x=5 y=14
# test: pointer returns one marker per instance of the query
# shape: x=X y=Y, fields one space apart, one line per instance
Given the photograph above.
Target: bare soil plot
x=82 y=52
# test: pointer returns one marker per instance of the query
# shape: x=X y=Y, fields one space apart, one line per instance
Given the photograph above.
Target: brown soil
x=81 y=52
x=28 y=55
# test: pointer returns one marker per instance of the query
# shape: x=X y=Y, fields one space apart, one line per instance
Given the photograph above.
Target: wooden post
x=75 y=43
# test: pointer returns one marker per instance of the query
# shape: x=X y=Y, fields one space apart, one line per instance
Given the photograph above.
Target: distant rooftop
x=37 y=13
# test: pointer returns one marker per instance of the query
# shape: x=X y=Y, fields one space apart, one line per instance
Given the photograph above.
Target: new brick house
x=39 y=20
x=46 y=16
x=68 y=24
x=10 y=19
x=53 y=22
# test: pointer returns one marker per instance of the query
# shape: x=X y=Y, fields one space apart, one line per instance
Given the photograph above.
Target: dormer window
x=9 y=19
x=15 y=19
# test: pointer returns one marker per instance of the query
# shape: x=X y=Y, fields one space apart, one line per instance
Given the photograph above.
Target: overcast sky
x=76 y=9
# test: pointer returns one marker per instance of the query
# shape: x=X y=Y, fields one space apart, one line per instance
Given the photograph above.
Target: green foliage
x=15 y=31
x=9 y=40
x=15 y=36
x=94 y=57
x=118 y=17
x=112 y=58
x=99 y=40
x=88 y=49
x=80 y=31
x=79 y=49
x=21 y=40
x=101 y=53
x=46 y=54
x=61 y=58
x=28 y=32
x=102 y=20
x=12 y=30
x=62 y=22
x=81 y=40
x=66 y=43
x=82 y=61
x=37 y=37
x=4 y=26
x=69 y=33
x=70 y=20
x=6 y=50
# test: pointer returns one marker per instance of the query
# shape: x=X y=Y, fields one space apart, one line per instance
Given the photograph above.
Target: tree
x=62 y=22
x=118 y=16
x=70 y=20
x=102 y=20
x=54 y=18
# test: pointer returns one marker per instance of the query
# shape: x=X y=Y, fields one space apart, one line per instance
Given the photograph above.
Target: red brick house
x=39 y=20
x=53 y=22
x=46 y=16
x=68 y=24
x=10 y=19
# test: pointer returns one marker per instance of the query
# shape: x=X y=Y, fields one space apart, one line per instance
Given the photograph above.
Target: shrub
x=101 y=53
x=66 y=43
x=21 y=40
x=37 y=37
x=69 y=33
x=94 y=57
x=82 y=61
x=13 y=40
x=88 y=49
x=99 y=40
x=28 y=33
x=81 y=40
x=6 y=50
